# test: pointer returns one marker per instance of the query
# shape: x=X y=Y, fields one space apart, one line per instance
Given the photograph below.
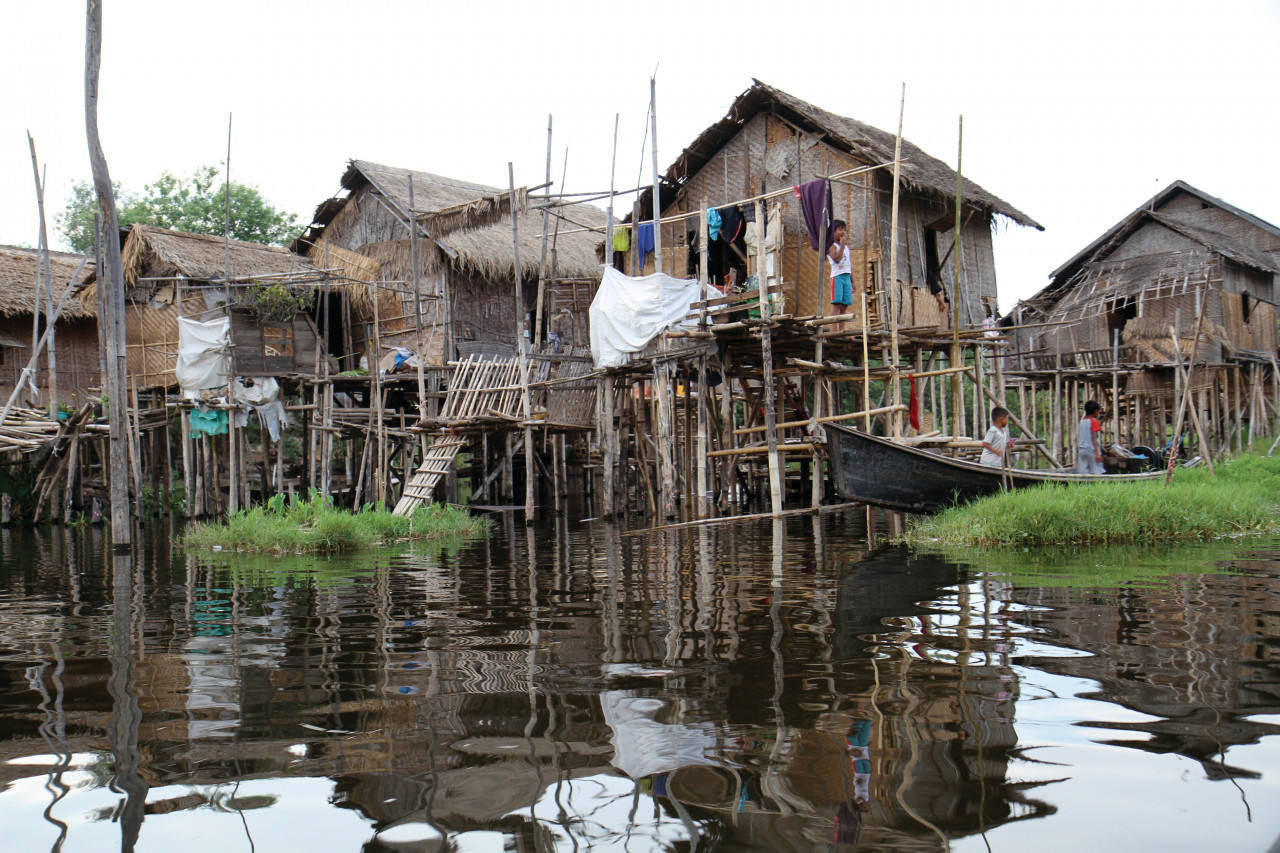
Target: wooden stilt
x=605 y=388
x=703 y=489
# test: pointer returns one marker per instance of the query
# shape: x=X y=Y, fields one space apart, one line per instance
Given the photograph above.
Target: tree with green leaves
x=194 y=203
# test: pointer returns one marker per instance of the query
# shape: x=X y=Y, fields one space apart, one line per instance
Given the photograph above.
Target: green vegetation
x=1242 y=499
x=316 y=526
x=275 y=302
x=193 y=203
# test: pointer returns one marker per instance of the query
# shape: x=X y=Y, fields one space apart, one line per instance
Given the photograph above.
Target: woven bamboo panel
x=151 y=338
x=572 y=403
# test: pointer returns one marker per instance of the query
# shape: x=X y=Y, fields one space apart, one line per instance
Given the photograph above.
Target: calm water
x=765 y=686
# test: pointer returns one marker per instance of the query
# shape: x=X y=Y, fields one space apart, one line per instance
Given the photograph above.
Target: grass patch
x=315 y=526
x=1242 y=499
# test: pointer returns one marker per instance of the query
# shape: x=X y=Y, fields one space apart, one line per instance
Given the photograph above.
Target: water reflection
x=780 y=686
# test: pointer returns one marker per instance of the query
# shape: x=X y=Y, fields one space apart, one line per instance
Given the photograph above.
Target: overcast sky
x=1075 y=113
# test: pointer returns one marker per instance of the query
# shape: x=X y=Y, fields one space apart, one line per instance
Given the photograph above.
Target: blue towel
x=713 y=224
x=644 y=241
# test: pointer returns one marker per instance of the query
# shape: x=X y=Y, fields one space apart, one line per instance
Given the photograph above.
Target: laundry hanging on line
x=815 y=204
x=644 y=241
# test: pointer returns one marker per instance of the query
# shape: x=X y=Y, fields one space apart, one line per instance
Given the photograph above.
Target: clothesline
x=680 y=217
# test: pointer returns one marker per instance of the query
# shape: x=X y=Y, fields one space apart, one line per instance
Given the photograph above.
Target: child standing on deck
x=1089 y=441
x=996 y=442
x=841 y=268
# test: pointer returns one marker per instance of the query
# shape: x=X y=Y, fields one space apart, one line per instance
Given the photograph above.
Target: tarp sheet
x=202 y=355
x=628 y=312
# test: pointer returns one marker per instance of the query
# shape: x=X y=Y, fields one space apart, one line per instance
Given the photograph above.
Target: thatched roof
x=471 y=222
x=1235 y=249
x=1116 y=234
x=18 y=281
x=202 y=257
x=920 y=172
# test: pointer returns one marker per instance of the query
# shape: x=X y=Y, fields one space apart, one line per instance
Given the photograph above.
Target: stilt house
x=75 y=334
x=1184 y=266
x=770 y=143
x=267 y=291
x=464 y=303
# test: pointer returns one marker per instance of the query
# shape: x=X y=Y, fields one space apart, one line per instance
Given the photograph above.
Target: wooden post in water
x=112 y=285
x=664 y=427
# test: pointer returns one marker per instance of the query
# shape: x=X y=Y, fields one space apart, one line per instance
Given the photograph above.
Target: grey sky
x=1073 y=112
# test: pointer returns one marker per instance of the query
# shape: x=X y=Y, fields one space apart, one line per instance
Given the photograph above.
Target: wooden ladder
x=435 y=465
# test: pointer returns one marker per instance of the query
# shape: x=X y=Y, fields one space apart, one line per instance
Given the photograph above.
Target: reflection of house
x=465 y=278
x=76 y=332
x=1189 y=661
x=1183 y=264
x=770 y=142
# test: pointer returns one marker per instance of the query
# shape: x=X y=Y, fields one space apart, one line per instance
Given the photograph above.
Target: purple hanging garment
x=815 y=204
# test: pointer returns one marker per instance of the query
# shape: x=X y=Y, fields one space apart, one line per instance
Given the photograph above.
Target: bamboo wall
x=79 y=367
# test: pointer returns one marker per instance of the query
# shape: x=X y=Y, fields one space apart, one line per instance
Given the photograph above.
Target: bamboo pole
x=769 y=391
x=957 y=357
x=522 y=349
x=657 y=203
x=417 y=306
x=542 y=264
x=1186 y=397
x=746 y=451
x=893 y=262
x=44 y=288
x=816 y=485
x=827 y=419
x=866 y=366
x=704 y=499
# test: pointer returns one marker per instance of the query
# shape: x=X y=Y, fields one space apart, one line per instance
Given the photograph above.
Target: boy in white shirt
x=996 y=443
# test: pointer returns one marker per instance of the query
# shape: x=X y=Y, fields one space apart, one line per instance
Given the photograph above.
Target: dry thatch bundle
x=487 y=210
x=18 y=269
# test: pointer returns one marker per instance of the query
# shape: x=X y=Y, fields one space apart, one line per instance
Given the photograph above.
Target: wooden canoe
x=873 y=470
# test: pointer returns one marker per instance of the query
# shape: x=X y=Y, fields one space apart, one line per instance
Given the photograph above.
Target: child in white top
x=996 y=443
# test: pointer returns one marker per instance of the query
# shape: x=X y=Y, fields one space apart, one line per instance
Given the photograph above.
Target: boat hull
x=873 y=470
